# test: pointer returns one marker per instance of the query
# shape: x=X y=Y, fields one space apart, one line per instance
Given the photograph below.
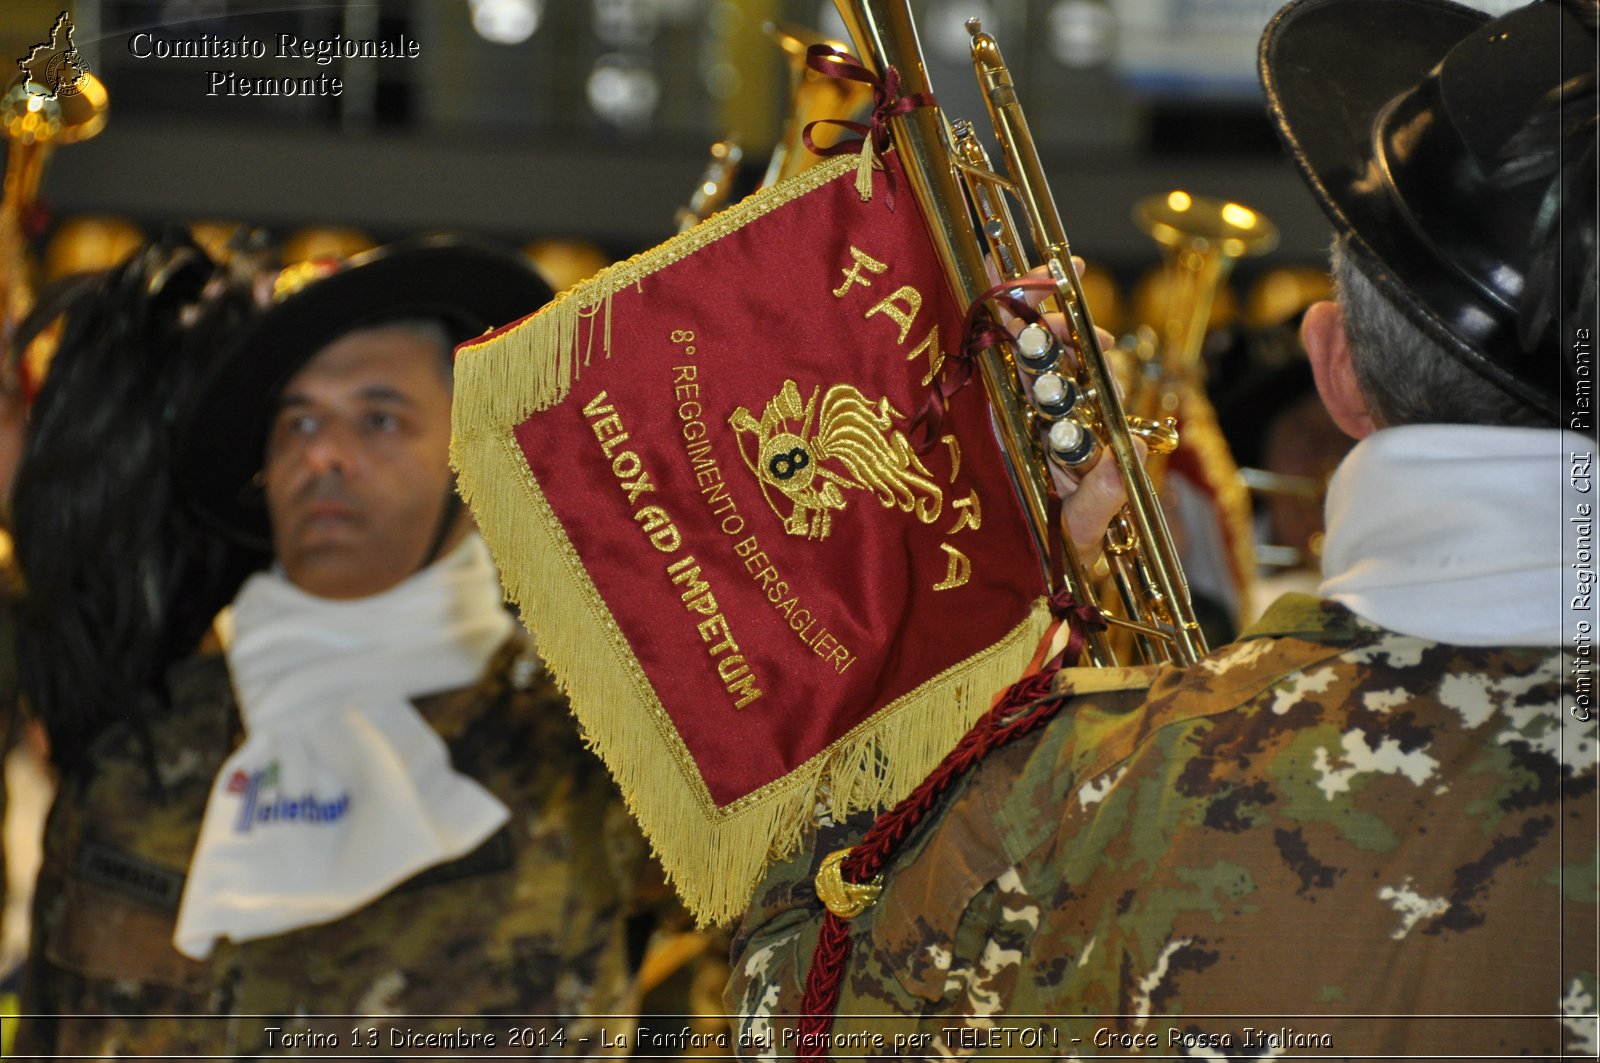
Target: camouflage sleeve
x=1359 y=850
x=102 y=977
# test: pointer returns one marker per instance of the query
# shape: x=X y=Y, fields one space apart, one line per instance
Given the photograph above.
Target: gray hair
x=1406 y=376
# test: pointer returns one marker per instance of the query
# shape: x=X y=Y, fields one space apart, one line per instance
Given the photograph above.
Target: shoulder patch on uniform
x=126 y=875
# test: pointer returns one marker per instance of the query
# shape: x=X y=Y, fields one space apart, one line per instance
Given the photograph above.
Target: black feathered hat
x=1456 y=154
x=470 y=287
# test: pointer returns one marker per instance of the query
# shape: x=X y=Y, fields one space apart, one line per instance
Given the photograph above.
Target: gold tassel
x=866 y=162
x=530 y=366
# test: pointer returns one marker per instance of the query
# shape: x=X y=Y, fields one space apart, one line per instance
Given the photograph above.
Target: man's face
x=357 y=462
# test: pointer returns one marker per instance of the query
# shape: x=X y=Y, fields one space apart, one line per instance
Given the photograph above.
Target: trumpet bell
x=1200 y=223
x=31 y=117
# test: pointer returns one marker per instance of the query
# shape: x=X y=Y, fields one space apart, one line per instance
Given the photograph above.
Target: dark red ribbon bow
x=1081 y=620
x=886 y=104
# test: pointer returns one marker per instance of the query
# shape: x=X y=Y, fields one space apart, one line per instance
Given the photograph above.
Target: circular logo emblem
x=787 y=462
x=65 y=72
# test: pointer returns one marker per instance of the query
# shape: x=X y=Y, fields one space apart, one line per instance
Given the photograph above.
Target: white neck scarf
x=1456 y=533
x=341 y=790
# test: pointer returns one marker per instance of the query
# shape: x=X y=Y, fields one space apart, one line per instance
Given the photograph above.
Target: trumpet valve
x=1037 y=348
x=1070 y=444
x=1055 y=395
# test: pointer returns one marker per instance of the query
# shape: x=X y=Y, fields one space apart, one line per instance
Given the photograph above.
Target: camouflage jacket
x=533 y=923
x=1324 y=839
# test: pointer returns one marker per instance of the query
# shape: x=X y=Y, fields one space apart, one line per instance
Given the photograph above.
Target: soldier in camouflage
x=511 y=939
x=1368 y=827
x=532 y=923
x=1320 y=827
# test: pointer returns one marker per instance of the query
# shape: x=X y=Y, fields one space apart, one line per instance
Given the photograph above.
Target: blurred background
x=534 y=119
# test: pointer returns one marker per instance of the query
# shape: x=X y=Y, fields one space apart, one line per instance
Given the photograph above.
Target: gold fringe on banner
x=531 y=365
x=713 y=856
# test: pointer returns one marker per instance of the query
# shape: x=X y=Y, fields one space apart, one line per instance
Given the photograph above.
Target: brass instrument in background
x=813 y=97
x=1203 y=239
x=34 y=125
x=1074 y=413
x=715 y=186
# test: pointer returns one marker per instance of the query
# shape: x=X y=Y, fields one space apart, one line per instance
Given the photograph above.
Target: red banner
x=694 y=474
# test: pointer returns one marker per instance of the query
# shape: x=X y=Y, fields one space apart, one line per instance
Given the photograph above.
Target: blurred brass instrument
x=34 y=124
x=1203 y=238
x=1074 y=413
x=813 y=97
x=715 y=186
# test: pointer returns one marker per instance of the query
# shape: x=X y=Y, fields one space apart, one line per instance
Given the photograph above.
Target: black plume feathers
x=120 y=581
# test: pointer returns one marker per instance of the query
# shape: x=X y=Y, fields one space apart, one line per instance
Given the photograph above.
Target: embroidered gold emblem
x=844 y=899
x=804 y=470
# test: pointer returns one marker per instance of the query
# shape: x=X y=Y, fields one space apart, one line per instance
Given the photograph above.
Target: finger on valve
x=1091 y=495
x=1090 y=501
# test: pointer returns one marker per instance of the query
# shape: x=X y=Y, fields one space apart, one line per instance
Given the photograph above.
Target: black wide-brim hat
x=468 y=286
x=1432 y=136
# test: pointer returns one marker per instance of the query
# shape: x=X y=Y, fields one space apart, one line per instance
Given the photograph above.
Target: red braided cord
x=1025 y=707
x=823 y=983
x=996 y=727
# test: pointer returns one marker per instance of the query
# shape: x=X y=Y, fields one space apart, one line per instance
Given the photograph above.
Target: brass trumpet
x=1046 y=409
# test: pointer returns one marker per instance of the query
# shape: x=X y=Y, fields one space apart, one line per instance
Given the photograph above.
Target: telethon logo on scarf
x=262 y=801
x=695 y=477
